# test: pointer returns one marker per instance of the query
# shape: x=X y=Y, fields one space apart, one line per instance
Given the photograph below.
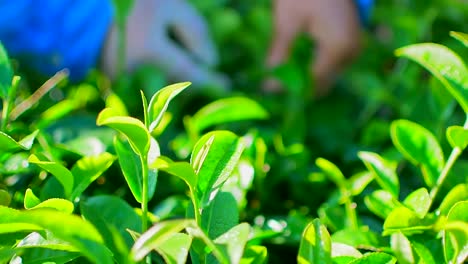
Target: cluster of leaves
x=77 y=187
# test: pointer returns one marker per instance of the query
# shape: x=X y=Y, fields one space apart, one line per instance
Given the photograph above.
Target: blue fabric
x=364 y=9
x=49 y=35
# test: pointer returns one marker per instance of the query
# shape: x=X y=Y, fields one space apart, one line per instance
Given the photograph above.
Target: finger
x=192 y=30
x=337 y=34
x=285 y=28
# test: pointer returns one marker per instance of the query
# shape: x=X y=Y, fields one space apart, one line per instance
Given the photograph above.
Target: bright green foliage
x=457 y=137
x=456 y=233
x=315 y=245
x=9 y=144
x=383 y=170
x=420 y=147
x=6 y=74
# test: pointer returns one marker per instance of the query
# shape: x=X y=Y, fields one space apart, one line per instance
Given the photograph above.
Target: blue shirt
x=49 y=35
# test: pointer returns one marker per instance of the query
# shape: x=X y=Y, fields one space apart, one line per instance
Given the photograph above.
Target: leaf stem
x=450 y=162
x=144 y=198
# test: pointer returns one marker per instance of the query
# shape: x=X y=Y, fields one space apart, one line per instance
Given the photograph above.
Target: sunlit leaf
x=175 y=249
x=62 y=174
x=340 y=249
x=457 y=136
x=254 y=255
x=385 y=173
x=7 y=143
x=462 y=37
x=156 y=236
x=233 y=241
x=419 y=146
x=227 y=110
x=455 y=238
x=333 y=172
x=214 y=157
x=444 y=64
x=457 y=194
x=375 y=258
x=401 y=248
x=220 y=215
x=160 y=101
x=79 y=233
x=419 y=201
x=87 y=170
x=58 y=204
x=132 y=128
x=404 y=220
x=315 y=246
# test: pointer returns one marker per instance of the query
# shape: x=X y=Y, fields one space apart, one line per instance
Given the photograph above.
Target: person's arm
x=48 y=35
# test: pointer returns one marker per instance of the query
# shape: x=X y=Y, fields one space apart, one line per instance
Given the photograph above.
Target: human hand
x=148 y=41
x=333 y=24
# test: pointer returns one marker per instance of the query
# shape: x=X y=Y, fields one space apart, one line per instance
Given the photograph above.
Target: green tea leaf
x=183 y=170
x=62 y=174
x=45 y=240
x=227 y=110
x=160 y=101
x=254 y=254
x=30 y=199
x=419 y=146
x=455 y=238
x=87 y=170
x=457 y=136
x=156 y=236
x=214 y=157
x=220 y=215
x=401 y=248
x=404 y=220
x=360 y=181
x=132 y=128
x=131 y=165
x=333 y=172
x=375 y=258
x=315 y=247
x=425 y=255
x=71 y=228
x=114 y=102
x=175 y=249
x=462 y=37
x=362 y=237
x=44 y=255
x=233 y=241
x=58 y=204
x=112 y=217
x=7 y=143
x=457 y=194
x=384 y=172
x=444 y=64
x=6 y=73
x=419 y=201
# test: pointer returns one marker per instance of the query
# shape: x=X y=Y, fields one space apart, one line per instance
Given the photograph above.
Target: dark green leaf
x=227 y=110
x=455 y=238
x=457 y=136
x=457 y=194
x=214 y=157
x=132 y=128
x=375 y=258
x=175 y=249
x=6 y=73
x=71 y=228
x=87 y=170
x=157 y=235
x=112 y=217
x=424 y=254
x=419 y=201
x=384 y=172
x=57 y=111
x=220 y=215
x=315 y=247
x=254 y=255
x=160 y=101
x=62 y=174
x=130 y=164
x=444 y=64
x=419 y=146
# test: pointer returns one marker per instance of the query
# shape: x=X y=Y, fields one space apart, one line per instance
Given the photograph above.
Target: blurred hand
x=148 y=41
x=333 y=24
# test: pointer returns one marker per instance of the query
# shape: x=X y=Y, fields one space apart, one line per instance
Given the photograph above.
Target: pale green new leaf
x=419 y=146
x=457 y=136
x=385 y=173
x=419 y=201
x=462 y=37
x=160 y=101
x=455 y=238
x=333 y=172
x=315 y=246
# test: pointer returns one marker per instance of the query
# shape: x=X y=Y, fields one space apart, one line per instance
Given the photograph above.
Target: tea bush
x=86 y=176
